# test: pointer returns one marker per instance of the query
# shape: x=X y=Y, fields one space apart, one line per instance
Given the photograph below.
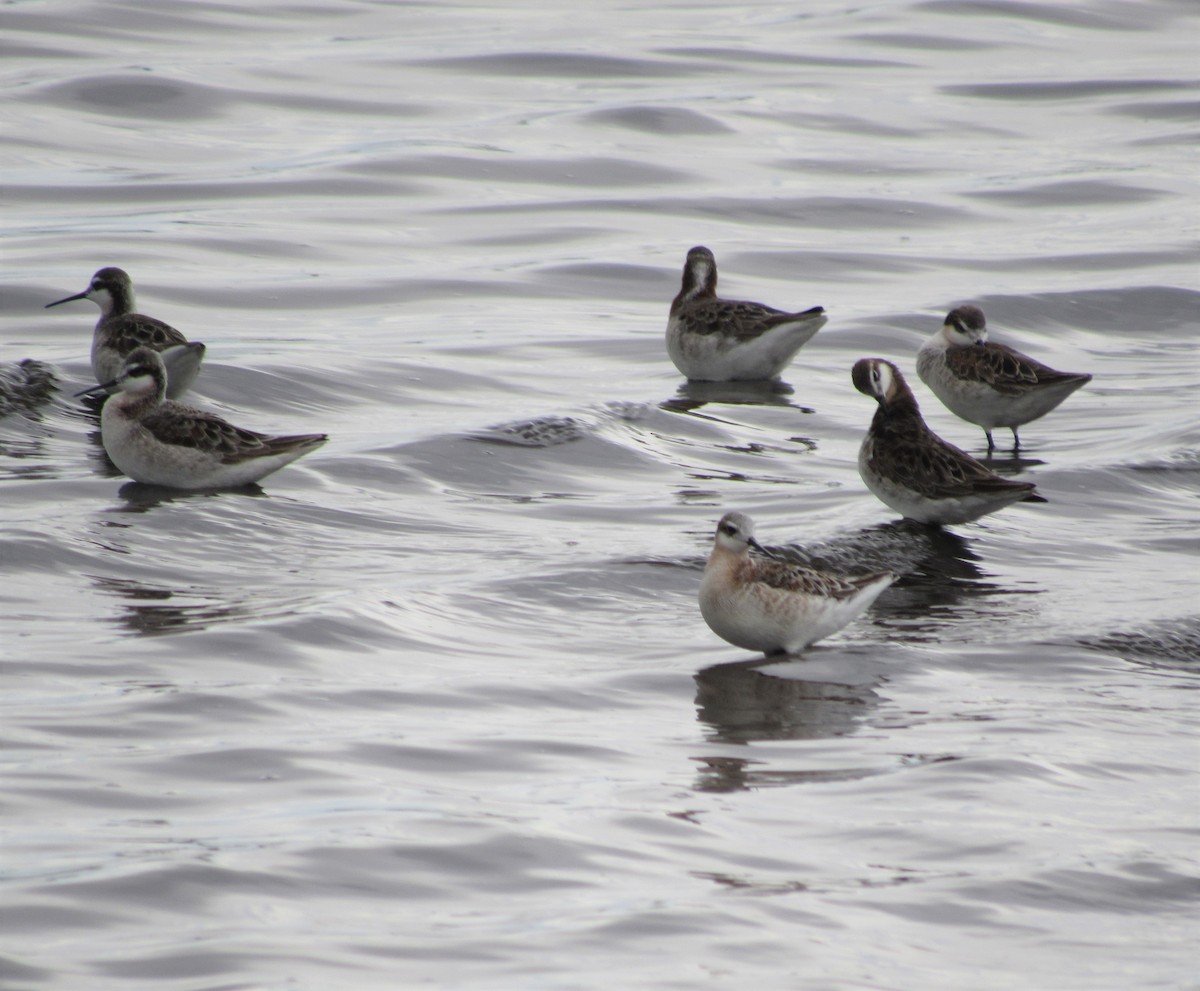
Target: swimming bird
x=991 y=385
x=120 y=329
x=158 y=441
x=722 y=340
x=767 y=604
x=915 y=472
x=25 y=385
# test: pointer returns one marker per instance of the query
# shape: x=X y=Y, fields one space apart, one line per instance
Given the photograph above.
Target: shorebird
x=721 y=340
x=120 y=329
x=987 y=384
x=158 y=441
x=915 y=472
x=763 y=603
x=25 y=385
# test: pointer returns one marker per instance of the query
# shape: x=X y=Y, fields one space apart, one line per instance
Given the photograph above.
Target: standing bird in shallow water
x=989 y=384
x=722 y=340
x=915 y=472
x=120 y=329
x=763 y=603
x=161 y=442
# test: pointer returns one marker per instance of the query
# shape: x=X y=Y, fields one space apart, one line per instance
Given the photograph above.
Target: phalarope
x=721 y=340
x=987 y=384
x=120 y=329
x=161 y=442
x=915 y=472
x=25 y=385
x=775 y=606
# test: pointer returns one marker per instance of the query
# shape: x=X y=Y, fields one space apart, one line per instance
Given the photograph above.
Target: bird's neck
x=693 y=290
x=899 y=411
x=132 y=405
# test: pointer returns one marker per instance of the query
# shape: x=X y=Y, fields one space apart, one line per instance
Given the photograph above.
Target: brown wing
x=797 y=578
x=135 y=330
x=184 y=426
x=275 y=445
x=1001 y=367
x=744 y=320
x=928 y=465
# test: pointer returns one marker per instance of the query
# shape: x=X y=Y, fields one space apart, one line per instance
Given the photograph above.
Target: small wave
x=1071 y=90
x=660 y=120
x=540 y=431
x=1188 y=460
x=1173 y=643
x=1084 y=192
x=581 y=65
x=147 y=95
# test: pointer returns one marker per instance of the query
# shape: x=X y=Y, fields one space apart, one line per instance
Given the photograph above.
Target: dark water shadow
x=902 y=546
x=1008 y=463
x=725 y=774
x=88 y=409
x=939 y=573
x=156 y=610
x=694 y=395
x=102 y=465
x=91 y=405
x=141 y=497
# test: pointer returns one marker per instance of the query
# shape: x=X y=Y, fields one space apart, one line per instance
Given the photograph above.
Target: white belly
x=724 y=358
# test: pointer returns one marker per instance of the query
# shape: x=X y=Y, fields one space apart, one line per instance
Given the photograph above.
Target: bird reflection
x=693 y=395
x=152 y=610
x=1009 y=464
x=724 y=774
x=140 y=497
x=745 y=702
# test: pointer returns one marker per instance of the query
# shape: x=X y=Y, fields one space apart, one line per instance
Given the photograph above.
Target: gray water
x=435 y=706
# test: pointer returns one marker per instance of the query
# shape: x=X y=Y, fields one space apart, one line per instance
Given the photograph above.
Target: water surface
x=434 y=706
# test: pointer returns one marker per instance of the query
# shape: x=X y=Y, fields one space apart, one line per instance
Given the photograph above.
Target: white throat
x=960 y=339
x=103 y=299
x=885 y=379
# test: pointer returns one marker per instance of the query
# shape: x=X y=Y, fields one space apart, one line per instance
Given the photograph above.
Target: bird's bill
x=759 y=547
x=68 y=299
x=96 y=389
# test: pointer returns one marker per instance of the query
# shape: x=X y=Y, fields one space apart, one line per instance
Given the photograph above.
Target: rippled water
x=435 y=706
